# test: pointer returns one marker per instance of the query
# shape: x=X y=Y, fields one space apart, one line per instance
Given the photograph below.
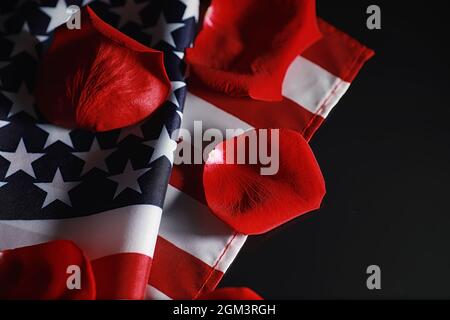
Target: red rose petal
x=40 y=272
x=252 y=203
x=231 y=294
x=246 y=46
x=99 y=79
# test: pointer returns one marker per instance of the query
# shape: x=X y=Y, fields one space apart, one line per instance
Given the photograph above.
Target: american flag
x=106 y=191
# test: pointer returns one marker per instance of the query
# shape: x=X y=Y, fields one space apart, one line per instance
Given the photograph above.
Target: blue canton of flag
x=55 y=182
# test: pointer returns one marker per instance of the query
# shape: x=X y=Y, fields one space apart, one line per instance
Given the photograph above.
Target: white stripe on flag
x=154 y=294
x=192 y=227
x=313 y=87
x=128 y=229
x=189 y=224
x=198 y=109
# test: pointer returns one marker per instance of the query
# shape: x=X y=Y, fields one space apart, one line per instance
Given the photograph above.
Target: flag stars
x=55 y=134
x=58 y=15
x=128 y=179
x=192 y=9
x=162 y=31
x=175 y=86
x=164 y=146
x=130 y=12
x=24 y=41
x=21 y=101
x=135 y=130
x=179 y=54
x=59 y=182
x=57 y=189
x=4 y=123
x=20 y=160
x=94 y=158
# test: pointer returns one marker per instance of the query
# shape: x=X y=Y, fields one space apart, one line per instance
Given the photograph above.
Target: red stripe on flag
x=122 y=275
x=259 y=114
x=338 y=53
x=192 y=275
x=188 y=178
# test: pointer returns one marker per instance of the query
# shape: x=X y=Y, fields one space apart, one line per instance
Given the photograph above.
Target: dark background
x=385 y=155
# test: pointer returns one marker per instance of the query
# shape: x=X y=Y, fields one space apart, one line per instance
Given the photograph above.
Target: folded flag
x=103 y=191
x=246 y=46
x=202 y=245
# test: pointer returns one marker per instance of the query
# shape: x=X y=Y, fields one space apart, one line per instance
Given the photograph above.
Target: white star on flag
x=132 y=130
x=179 y=54
x=58 y=189
x=192 y=9
x=94 y=158
x=128 y=179
x=24 y=41
x=164 y=146
x=162 y=31
x=129 y=12
x=2 y=184
x=20 y=159
x=21 y=101
x=56 y=133
x=58 y=15
x=3 y=123
x=175 y=86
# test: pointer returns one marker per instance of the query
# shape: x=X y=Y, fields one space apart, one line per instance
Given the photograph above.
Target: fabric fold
x=103 y=191
x=314 y=84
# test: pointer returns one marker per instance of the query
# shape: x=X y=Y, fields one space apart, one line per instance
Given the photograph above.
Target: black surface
x=385 y=155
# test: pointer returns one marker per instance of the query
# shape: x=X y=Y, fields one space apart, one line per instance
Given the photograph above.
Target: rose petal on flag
x=246 y=46
x=43 y=271
x=231 y=294
x=252 y=203
x=112 y=82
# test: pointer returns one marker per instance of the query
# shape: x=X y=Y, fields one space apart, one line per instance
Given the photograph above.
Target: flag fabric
x=190 y=234
x=106 y=191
